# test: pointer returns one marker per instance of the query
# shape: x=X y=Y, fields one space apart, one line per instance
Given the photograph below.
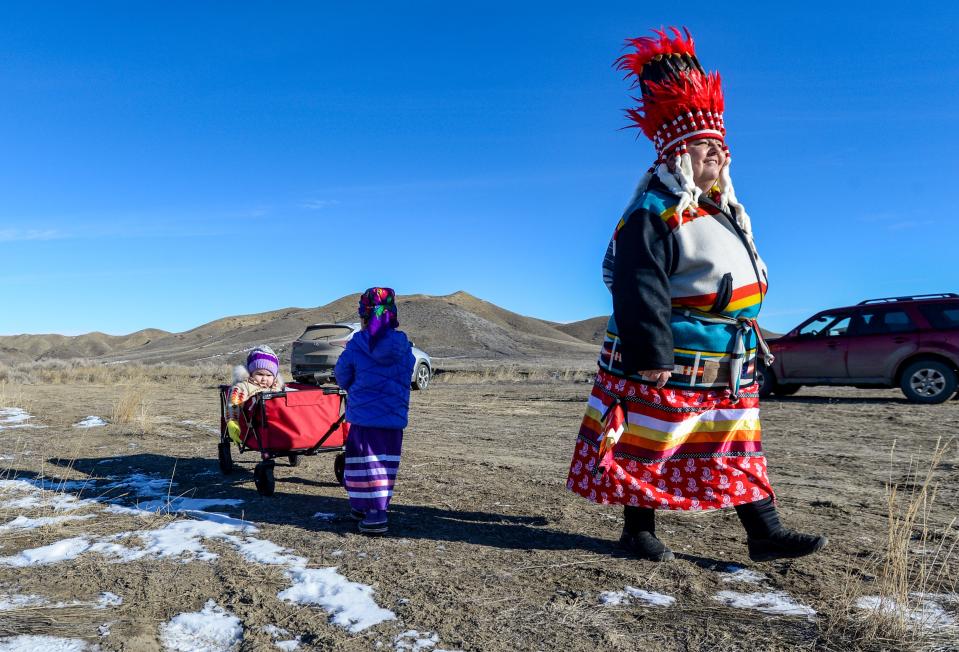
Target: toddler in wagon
x=260 y=374
x=375 y=369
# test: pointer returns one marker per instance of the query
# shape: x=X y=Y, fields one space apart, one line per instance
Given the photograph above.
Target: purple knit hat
x=263 y=357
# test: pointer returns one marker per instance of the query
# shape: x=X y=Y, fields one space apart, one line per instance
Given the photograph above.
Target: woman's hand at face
x=658 y=376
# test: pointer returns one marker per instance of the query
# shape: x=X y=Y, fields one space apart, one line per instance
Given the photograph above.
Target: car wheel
x=928 y=381
x=766 y=380
x=786 y=390
x=421 y=379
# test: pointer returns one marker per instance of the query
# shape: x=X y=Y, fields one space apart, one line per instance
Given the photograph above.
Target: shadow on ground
x=201 y=478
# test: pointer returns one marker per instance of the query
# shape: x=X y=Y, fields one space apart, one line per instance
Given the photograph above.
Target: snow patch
x=186 y=504
x=107 y=599
x=736 y=573
x=177 y=539
x=12 y=417
x=56 y=501
x=324 y=516
x=143 y=485
x=926 y=613
x=211 y=630
x=90 y=422
x=29 y=643
x=222 y=519
x=775 y=603
x=414 y=641
x=25 y=523
x=278 y=632
x=261 y=551
x=617 y=598
x=64 y=550
x=349 y=604
x=16 y=601
x=58 y=485
x=128 y=511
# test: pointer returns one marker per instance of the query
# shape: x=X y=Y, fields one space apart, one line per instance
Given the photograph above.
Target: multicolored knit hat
x=263 y=357
x=679 y=101
x=378 y=308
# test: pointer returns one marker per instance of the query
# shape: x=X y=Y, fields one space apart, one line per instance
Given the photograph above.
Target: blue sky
x=166 y=164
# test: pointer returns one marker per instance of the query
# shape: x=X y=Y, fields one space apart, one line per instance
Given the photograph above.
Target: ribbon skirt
x=679 y=449
x=372 y=460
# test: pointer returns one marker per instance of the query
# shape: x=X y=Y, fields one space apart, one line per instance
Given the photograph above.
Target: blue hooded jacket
x=378 y=380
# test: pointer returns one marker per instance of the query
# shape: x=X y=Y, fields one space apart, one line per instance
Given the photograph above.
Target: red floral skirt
x=680 y=449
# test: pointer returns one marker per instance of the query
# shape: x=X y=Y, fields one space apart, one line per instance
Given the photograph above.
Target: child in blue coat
x=376 y=370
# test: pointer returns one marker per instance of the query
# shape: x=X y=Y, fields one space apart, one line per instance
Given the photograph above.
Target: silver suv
x=316 y=351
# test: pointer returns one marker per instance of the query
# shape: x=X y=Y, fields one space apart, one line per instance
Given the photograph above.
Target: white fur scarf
x=680 y=183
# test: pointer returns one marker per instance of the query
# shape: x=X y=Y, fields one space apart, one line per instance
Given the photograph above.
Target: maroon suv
x=909 y=342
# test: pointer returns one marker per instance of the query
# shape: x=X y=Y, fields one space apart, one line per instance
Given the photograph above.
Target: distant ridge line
x=457 y=325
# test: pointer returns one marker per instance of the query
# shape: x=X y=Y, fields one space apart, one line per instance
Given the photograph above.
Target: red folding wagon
x=301 y=420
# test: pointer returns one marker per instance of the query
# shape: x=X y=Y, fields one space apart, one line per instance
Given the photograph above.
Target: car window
x=942 y=315
x=838 y=327
x=883 y=321
x=325 y=333
x=819 y=325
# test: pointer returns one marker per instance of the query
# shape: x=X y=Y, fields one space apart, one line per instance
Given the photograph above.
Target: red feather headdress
x=679 y=101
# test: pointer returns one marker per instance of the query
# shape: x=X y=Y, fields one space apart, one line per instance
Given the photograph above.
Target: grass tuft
x=900 y=604
x=131 y=408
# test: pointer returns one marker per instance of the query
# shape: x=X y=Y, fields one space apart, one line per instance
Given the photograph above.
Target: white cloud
x=20 y=235
x=319 y=204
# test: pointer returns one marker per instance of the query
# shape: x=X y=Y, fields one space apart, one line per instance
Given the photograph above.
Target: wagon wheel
x=339 y=466
x=263 y=478
x=225 y=457
x=294 y=460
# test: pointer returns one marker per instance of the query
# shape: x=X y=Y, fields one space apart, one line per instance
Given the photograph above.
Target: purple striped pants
x=372 y=459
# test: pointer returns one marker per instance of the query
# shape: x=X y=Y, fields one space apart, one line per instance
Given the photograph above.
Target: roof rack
x=941 y=295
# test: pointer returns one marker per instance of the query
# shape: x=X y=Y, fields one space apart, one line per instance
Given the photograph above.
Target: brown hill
x=89 y=345
x=590 y=330
x=456 y=329
x=593 y=330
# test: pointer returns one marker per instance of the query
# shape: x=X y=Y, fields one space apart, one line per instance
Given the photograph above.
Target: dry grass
x=12 y=396
x=897 y=608
x=512 y=374
x=78 y=371
x=132 y=408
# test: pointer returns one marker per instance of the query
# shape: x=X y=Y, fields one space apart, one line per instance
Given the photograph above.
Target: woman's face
x=708 y=158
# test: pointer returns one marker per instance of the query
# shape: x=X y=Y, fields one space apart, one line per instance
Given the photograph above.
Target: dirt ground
x=487 y=549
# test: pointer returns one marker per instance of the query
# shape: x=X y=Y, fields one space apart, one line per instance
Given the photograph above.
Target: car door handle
x=900 y=340
x=832 y=345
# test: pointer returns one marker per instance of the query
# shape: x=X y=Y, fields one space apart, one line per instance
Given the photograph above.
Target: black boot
x=768 y=539
x=639 y=535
